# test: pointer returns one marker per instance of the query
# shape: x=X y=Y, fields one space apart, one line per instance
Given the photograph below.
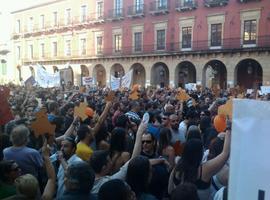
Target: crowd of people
x=114 y=154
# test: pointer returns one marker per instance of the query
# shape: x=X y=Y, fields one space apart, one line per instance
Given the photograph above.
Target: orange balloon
x=89 y=112
x=220 y=123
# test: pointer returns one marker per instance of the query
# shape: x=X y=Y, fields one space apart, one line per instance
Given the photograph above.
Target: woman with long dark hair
x=164 y=146
x=191 y=169
x=117 y=149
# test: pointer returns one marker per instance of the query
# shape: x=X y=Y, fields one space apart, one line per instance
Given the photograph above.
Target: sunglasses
x=15 y=168
x=164 y=118
x=147 y=141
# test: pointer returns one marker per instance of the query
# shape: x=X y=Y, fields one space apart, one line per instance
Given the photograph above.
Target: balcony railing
x=159 y=7
x=215 y=3
x=247 y=1
x=96 y=18
x=202 y=46
x=136 y=10
x=181 y=5
x=116 y=14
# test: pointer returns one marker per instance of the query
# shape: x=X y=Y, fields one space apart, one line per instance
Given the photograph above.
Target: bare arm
x=69 y=132
x=49 y=189
x=138 y=141
x=102 y=117
x=211 y=167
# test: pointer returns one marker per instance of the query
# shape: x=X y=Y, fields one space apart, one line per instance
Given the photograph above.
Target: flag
x=30 y=81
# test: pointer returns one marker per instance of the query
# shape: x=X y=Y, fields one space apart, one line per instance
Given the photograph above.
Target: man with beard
x=178 y=137
x=66 y=157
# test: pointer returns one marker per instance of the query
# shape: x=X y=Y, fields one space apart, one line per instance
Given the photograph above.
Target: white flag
x=115 y=83
x=126 y=80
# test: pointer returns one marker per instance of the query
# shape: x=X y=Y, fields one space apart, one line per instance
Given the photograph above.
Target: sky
x=7 y=6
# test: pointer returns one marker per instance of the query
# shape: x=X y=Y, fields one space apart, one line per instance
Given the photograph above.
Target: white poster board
x=87 y=80
x=265 y=89
x=250 y=150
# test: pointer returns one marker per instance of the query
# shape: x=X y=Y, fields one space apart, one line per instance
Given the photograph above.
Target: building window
x=83 y=13
x=216 y=34
x=4 y=67
x=68 y=16
x=30 y=24
x=55 y=19
x=162 y=4
x=138 y=41
x=41 y=22
x=138 y=6
x=30 y=51
x=117 y=43
x=83 y=46
x=54 y=49
x=161 y=39
x=99 y=9
x=187 y=3
x=186 y=37
x=42 y=49
x=18 y=26
x=68 y=48
x=99 y=43
x=250 y=31
x=118 y=7
x=18 y=52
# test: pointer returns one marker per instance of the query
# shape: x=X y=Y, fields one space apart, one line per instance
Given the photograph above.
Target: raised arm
x=49 y=189
x=138 y=141
x=102 y=117
x=68 y=132
x=211 y=167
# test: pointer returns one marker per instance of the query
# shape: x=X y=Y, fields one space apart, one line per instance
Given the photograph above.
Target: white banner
x=115 y=83
x=249 y=158
x=87 y=80
x=191 y=86
x=126 y=80
x=265 y=89
x=45 y=79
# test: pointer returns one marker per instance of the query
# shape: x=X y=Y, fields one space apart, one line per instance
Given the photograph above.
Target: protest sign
x=87 y=80
x=191 y=86
x=115 y=83
x=80 y=110
x=126 y=80
x=265 y=89
x=41 y=125
x=249 y=166
x=45 y=79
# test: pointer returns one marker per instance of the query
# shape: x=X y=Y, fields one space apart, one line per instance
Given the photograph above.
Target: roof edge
x=36 y=6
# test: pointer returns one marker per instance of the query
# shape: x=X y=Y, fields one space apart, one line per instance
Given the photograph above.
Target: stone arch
x=139 y=74
x=185 y=72
x=67 y=76
x=84 y=72
x=160 y=74
x=117 y=70
x=99 y=74
x=248 y=73
x=214 y=73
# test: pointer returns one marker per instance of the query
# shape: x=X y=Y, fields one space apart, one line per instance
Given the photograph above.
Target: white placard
x=87 y=80
x=249 y=161
x=190 y=86
x=126 y=80
x=115 y=83
x=265 y=89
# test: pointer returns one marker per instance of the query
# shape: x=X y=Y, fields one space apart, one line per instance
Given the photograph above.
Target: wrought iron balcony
x=247 y=1
x=181 y=5
x=116 y=14
x=96 y=18
x=215 y=3
x=136 y=10
x=159 y=7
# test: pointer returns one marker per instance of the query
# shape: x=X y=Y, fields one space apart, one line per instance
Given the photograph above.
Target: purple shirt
x=28 y=159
